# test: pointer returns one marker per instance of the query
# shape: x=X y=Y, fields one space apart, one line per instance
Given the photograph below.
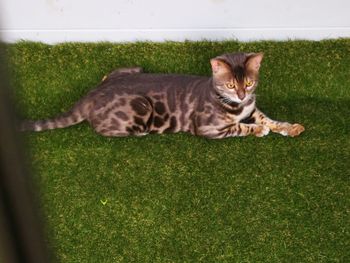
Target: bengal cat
x=129 y=102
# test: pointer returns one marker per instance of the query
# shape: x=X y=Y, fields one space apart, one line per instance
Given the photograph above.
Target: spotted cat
x=129 y=102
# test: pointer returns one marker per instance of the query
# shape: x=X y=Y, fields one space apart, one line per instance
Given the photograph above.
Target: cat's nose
x=241 y=94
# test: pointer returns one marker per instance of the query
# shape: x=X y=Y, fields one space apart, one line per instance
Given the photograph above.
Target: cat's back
x=144 y=82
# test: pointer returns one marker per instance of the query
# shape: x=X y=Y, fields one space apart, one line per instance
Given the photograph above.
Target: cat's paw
x=292 y=129
x=261 y=130
x=296 y=129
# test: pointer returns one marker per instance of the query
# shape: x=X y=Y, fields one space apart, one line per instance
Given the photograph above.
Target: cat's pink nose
x=241 y=94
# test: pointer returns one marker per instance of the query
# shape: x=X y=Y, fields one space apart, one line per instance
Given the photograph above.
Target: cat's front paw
x=261 y=130
x=292 y=129
x=296 y=129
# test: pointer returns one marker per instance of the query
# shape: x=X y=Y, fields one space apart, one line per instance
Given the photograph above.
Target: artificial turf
x=180 y=198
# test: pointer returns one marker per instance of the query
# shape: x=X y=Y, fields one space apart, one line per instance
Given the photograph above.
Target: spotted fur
x=129 y=102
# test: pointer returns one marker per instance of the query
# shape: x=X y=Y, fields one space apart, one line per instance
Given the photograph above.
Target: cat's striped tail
x=66 y=119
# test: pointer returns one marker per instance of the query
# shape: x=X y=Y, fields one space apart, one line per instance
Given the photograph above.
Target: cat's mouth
x=233 y=101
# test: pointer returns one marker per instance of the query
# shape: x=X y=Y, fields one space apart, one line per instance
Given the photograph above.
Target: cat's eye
x=249 y=83
x=230 y=85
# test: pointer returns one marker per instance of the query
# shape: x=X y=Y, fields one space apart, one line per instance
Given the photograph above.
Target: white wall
x=55 y=21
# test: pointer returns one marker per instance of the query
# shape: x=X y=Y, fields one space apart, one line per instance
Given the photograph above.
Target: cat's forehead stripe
x=239 y=73
x=237 y=63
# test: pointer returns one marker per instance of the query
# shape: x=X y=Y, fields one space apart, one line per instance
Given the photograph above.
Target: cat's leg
x=284 y=128
x=238 y=129
x=108 y=127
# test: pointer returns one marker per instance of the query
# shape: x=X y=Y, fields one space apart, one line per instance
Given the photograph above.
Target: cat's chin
x=239 y=101
x=231 y=100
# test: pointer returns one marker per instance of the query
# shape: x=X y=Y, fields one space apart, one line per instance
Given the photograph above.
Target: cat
x=130 y=102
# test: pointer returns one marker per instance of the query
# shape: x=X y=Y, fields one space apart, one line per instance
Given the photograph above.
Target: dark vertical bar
x=21 y=234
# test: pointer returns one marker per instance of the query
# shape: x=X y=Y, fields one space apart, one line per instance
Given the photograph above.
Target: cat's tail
x=66 y=119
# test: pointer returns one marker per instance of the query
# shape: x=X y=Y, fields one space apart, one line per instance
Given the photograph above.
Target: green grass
x=180 y=198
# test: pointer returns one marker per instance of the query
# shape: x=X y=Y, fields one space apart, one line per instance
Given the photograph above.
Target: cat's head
x=236 y=75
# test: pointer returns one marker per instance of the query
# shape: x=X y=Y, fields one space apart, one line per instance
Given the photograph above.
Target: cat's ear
x=219 y=67
x=254 y=61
